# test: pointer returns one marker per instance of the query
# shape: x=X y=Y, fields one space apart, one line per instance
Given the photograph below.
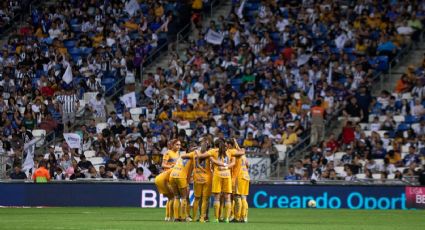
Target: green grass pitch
x=152 y=219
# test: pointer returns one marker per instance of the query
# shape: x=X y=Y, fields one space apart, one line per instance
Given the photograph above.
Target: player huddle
x=221 y=170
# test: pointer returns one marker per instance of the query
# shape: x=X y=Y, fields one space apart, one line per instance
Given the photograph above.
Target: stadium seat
x=361 y=176
x=339 y=170
x=90 y=154
x=88 y=96
x=183 y=125
x=338 y=156
x=281 y=149
x=22 y=110
x=376 y=176
x=407 y=96
x=136 y=112
x=96 y=160
x=39 y=134
x=188 y=132
x=364 y=126
x=101 y=126
x=399 y=118
x=192 y=96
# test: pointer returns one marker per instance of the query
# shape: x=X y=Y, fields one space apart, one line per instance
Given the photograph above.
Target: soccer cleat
x=226 y=221
x=245 y=220
x=188 y=219
x=167 y=219
x=216 y=221
x=201 y=220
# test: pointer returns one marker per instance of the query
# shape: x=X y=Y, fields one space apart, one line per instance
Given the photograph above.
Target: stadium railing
x=411 y=180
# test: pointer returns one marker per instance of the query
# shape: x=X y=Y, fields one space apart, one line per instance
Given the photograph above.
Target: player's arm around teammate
x=222 y=182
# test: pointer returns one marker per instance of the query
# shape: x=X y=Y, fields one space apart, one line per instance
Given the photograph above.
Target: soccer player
x=222 y=181
x=242 y=190
x=161 y=181
x=179 y=184
x=236 y=153
x=202 y=180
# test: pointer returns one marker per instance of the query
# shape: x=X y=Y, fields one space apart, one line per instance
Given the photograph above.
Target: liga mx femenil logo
x=415 y=197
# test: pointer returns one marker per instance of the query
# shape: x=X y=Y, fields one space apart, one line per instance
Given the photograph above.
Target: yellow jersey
x=226 y=159
x=244 y=172
x=238 y=164
x=202 y=170
x=182 y=168
x=170 y=158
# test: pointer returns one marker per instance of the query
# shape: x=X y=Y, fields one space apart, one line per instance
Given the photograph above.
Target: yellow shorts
x=242 y=186
x=178 y=183
x=161 y=182
x=203 y=189
x=221 y=184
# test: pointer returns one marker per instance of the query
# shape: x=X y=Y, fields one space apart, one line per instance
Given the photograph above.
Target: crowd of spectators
x=383 y=135
x=273 y=61
x=68 y=49
x=9 y=12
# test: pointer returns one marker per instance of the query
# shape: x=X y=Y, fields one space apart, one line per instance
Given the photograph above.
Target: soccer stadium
x=273 y=114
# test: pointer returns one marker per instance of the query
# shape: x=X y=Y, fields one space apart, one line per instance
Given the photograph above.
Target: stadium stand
x=253 y=75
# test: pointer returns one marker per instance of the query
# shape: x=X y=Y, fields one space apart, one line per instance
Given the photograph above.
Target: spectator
x=41 y=175
x=292 y=176
x=289 y=137
x=17 y=174
x=317 y=128
x=411 y=157
x=84 y=164
x=139 y=175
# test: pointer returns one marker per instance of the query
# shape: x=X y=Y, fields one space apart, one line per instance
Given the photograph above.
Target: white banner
x=214 y=37
x=129 y=100
x=67 y=76
x=259 y=168
x=73 y=140
x=131 y=7
x=29 y=148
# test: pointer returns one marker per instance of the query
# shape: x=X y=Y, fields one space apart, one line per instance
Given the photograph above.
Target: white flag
x=67 y=76
x=302 y=59
x=214 y=37
x=129 y=100
x=311 y=93
x=340 y=41
x=330 y=73
x=73 y=140
x=240 y=9
x=29 y=148
x=131 y=7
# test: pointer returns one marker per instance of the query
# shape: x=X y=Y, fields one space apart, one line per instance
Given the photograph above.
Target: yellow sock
x=167 y=209
x=170 y=208
x=216 y=210
x=227 y=209
x=232 y=209
x=176 y=208
x=244 y=213
x=183 y=209
x=195 y=208
x=238 y=208
x=222 y=210
x=187 y=207
x=204 y=207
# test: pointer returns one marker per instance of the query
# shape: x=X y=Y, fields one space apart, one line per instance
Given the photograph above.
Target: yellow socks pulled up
x=216 y=210
x=238 y=208
x=176 y=208
x=196 y=208
x=227 y=209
